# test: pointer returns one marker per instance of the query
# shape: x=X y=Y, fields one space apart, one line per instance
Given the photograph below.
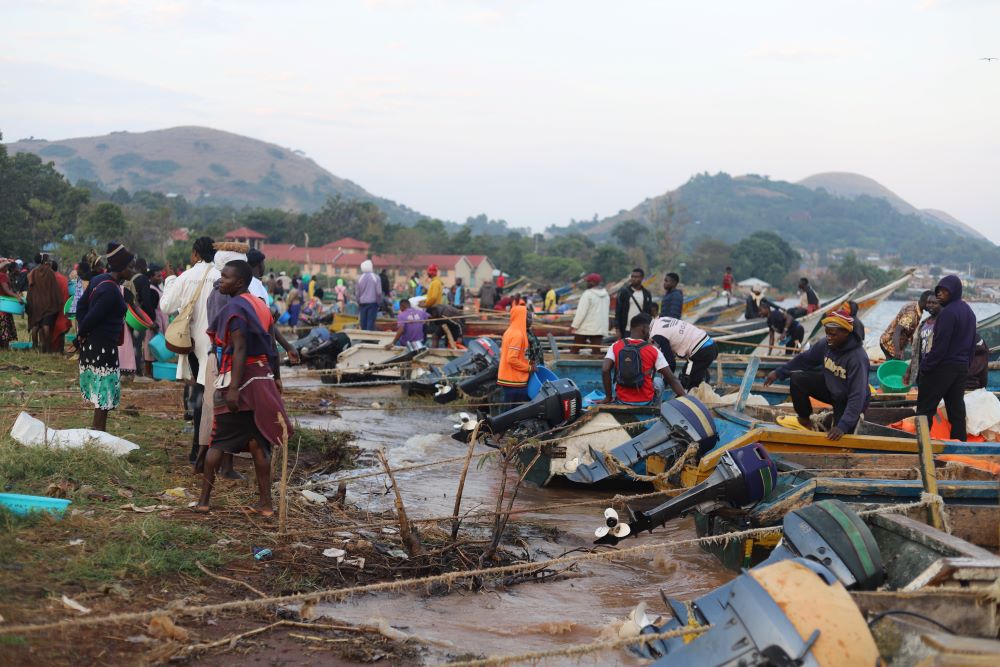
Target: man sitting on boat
x=635 y=361
x=677 y=338
x=781 y=322
x=842 y=382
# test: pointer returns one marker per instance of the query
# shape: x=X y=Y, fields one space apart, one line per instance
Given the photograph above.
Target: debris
x=390 y=551
x=262 y=553
x=383 y=628
x=390 y=531
x=78 y=542
x=146 y=509
x=70 y=603
x=60 y=489
x=344 y=534
x=177 y=492
x=162 y=627
x=307 y=611
x=301 y=545
x=333 y=552
x=124 y=493
x=313 y=497
x=33 y=433
x=356 y=562
x=139 y=639
x=116 y=589
x=376 y=404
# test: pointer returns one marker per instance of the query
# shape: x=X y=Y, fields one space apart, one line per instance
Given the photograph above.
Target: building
x=246 y=235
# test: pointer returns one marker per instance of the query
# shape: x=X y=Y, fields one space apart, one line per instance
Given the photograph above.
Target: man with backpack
x=634 y=361
x=633 y=299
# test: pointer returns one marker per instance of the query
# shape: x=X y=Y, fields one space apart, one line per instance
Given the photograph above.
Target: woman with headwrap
x=43 y=305
x=101 y=321
x=369 y=294
x=8 y=331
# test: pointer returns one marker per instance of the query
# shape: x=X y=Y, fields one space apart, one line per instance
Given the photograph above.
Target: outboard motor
x=832 y=534
x=556 y=404
x=793 y=612
x=478 y=366
x=323 y=356
x=682 y=421
x=743 y=477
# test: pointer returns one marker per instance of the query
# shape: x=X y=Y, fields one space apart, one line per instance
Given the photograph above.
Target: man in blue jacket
x=672 y=304
x=943 y=370
x=842 y=381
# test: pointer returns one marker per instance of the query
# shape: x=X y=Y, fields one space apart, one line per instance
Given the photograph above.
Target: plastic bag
x=33 y=433
x=982 y=410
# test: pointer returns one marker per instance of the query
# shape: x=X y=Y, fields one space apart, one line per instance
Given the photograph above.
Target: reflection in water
x=526 y=617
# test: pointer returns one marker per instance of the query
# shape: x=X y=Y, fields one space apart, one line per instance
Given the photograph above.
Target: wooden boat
x=371 y=361
x=867 y=302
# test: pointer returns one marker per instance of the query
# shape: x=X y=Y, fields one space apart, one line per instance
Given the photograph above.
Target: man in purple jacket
x=943 y=370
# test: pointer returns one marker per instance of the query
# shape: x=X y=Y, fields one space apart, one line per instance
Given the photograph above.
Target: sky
x=536 y=112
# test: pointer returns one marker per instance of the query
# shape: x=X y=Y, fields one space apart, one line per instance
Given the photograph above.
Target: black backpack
x=628 y=366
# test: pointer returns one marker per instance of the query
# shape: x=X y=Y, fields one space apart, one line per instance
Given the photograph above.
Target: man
x=945 y=367
x=515 y=368
x=196 y=281
x=899 y=334
x=635 y=361
x=807 y=296
x=677 y=338
x=413 y=283
x=754 y=298
x=445 y=318
x=501 y=282
x=435 y=290
x=551 y=300
x=456 y=295
x=272 y=285
x=410 y=325
x=842 y=382
x=255 y=258
x=590 y=324
x=727 y=283
x=487 y=296
x=386 y=305
x=43 y=305
x=632 y=299
x=368 y=293
x=783 y=323
x=672 y=304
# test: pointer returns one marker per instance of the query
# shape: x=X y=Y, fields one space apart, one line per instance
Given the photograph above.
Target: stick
x=409 y=539
x=461 y=482
x=283 y=487
x=228 y=580
x=928 y=475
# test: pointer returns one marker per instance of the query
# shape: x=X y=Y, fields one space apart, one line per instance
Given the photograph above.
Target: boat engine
x=682 y=421
x=556 y=404
x=474 y=374
x=793 y=612
x=743 y=477
x=323 y=356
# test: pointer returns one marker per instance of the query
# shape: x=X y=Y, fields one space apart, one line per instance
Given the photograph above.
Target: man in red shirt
x=727 y=283
x=635 y=361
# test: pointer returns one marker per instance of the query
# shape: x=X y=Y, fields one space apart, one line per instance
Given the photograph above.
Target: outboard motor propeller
x=743 y=477
x=682 y=421
x=556 y=404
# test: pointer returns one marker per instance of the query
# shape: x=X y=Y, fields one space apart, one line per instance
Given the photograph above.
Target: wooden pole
x=461 y=482
x=283 y=487
x=748 y=377
x=928 y=475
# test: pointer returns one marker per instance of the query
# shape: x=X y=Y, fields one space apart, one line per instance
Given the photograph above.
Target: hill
x=846 y=184
x=205 y=166
x=732 y=208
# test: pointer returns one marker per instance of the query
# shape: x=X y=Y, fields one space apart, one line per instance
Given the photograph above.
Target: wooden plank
x=748 y=377
x=928 y=475
x=944 y=643
x=915 y=531
x=963 y=572
x=554 y=348
x=903 y=489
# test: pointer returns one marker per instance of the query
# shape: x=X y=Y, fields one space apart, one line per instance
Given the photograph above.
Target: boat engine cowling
x=474 y=371
x=557 y=404
x=743 y=477
x=682 y=421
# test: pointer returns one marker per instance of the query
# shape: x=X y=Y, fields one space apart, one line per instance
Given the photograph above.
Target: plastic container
x=538 y=378
x=137 y=319
x=890 y=376
x=68 y=309
x=164 y=370
x=21 y=345
x=9 y=304
x=22 y=505
x=158 y=344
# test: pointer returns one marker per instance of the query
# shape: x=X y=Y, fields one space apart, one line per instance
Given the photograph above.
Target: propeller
x=613 y=531
x=466 y=422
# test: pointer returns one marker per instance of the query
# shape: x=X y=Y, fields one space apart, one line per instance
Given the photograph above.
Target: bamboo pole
x=283 y=486
x=928 y=475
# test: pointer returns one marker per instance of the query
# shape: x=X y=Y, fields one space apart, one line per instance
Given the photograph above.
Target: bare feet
x=201 y=509
x=806 y=423
x=265 y=511
x=232 y=474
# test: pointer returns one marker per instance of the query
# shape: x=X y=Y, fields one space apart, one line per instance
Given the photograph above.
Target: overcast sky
x=536 y=111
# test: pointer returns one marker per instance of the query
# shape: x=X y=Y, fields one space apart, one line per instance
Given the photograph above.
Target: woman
x=924 y=340
x=43 y=304
x=249 y=413
x=8 y=331
x=341 y=291
x=101 y=322
x=512 y=376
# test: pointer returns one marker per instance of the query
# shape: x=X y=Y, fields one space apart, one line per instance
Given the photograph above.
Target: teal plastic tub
x=164 y=370
x=890 y=376
x=21 y=345
x=9 y=304
x=22 y=505
x=158 y=344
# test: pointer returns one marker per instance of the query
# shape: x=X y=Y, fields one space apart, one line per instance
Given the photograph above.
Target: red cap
x=593 y=278
x=432 y=270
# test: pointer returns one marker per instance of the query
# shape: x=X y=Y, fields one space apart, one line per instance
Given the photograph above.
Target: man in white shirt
x=677 y=338
x=178 y=293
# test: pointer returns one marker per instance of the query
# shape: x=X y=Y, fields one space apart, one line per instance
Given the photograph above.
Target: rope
x=447 y=578
x=579 y=649
x=618 y=467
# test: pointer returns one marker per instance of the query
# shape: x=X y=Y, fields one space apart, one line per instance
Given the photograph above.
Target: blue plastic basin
x=22 y=505
x=538 y=378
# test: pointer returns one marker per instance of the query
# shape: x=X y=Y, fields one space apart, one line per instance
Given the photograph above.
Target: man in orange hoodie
x=515 y=368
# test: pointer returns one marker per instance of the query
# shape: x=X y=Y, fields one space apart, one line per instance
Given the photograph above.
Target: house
x=246 y=235
x=347 y=244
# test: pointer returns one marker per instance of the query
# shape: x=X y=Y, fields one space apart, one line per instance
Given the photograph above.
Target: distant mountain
x=846 y=184
x=205 y=166
x=816 y=220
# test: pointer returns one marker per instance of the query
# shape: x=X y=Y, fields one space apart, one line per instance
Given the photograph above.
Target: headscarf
x=118 y=257
x=839 y=318
x=367 y=266
x=223 y=257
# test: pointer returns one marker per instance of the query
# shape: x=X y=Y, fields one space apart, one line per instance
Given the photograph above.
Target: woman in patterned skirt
x=8 y=332
x=100 y=316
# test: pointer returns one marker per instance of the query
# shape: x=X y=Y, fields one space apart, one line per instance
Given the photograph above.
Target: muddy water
x=527 y=617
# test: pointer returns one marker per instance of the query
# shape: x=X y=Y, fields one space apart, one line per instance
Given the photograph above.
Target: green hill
x=815 y=220
x=205 y=166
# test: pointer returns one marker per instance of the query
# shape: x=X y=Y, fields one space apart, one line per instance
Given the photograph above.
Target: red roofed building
x=252 y=238
x=347 y=244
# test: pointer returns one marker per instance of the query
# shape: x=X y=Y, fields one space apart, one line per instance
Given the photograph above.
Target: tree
x=708 y=261
x=668 y=222
x=851 y=271
x=609 y=261
x=630 y=233
x=764 y=255
x=104 y=223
